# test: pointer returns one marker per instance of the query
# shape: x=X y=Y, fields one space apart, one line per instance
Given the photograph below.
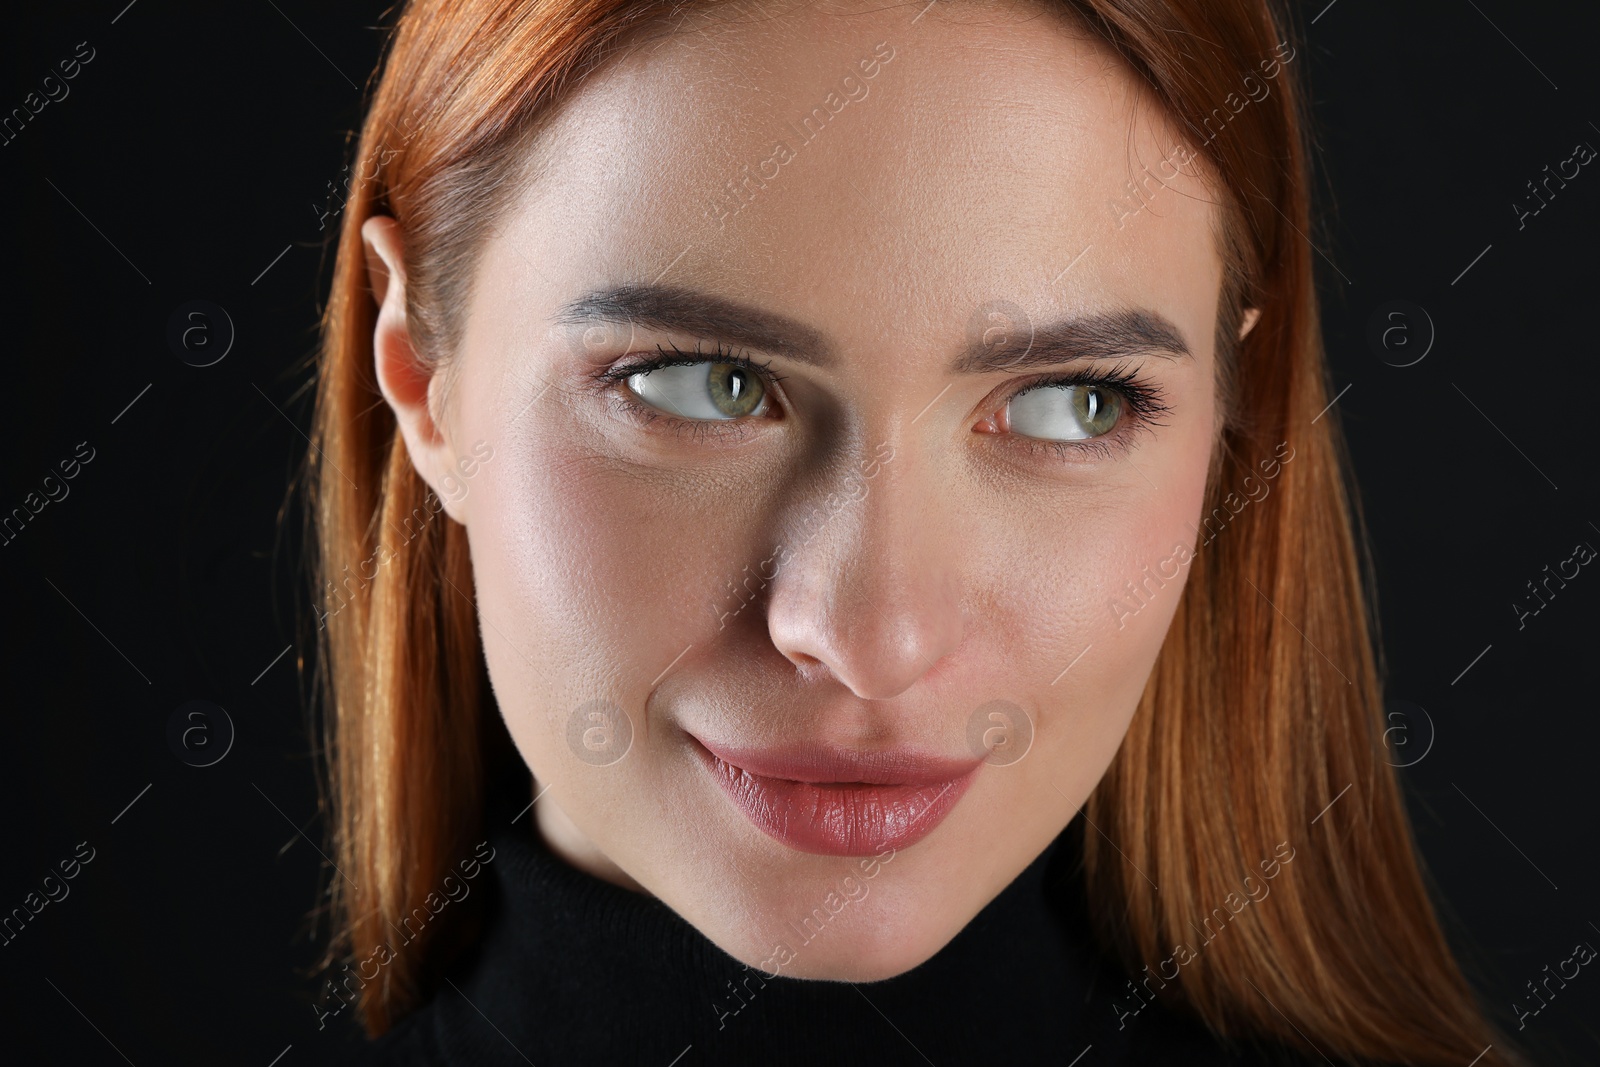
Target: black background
x=192 y=159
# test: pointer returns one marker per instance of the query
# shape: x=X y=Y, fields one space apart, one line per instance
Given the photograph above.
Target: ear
x=1251 y=317
x=412 y=386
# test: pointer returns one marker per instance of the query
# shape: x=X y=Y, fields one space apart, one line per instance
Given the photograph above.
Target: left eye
x=716 y=391
x=1064 y=412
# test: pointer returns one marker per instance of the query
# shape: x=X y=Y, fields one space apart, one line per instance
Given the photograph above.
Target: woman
x=776 y=465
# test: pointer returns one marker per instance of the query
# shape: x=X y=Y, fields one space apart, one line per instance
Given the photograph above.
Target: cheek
x=564 y=589
x=1091 y=597
x=594 y=579
x=1145 y=569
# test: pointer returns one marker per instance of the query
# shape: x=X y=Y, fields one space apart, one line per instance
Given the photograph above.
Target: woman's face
x=838 y=618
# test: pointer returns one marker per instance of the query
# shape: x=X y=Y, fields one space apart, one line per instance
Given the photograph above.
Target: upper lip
x=823 y=763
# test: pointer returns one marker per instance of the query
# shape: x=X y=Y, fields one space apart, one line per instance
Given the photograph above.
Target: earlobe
x=406 y=379
x=1251 y=316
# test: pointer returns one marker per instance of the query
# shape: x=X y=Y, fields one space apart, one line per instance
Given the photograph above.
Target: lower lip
x=845 y=819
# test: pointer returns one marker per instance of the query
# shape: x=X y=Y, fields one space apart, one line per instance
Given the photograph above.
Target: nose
x=870 y=591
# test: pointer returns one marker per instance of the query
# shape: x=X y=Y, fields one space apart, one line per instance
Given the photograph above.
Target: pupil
x=736 y=384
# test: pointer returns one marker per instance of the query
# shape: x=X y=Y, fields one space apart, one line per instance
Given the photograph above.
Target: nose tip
x=872 y=592
x=878 y=635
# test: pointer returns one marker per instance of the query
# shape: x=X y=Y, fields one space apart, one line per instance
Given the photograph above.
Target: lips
x=838 y=803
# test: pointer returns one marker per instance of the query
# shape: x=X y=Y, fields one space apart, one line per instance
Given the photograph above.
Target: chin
x=864 y=920
x=880 y=962
x=868 y=949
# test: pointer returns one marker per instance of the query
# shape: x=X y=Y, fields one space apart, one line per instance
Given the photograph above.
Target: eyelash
x=1145 y=400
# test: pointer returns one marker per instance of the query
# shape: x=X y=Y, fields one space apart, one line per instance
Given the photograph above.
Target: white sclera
x=686 y=391
x=1063 y=412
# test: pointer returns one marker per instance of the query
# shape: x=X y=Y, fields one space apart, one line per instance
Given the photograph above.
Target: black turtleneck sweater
x=574 y=970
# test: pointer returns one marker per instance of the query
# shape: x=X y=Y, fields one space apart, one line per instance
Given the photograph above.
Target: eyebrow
x=1101 y=335
x=654 y=307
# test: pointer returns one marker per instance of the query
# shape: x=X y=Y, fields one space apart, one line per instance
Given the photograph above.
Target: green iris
x=1065 y=412
x=735 y=391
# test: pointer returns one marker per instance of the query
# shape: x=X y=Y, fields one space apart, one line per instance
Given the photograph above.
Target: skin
x=980 y=166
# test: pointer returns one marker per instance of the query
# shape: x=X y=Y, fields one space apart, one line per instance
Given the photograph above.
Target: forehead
x=882 y=168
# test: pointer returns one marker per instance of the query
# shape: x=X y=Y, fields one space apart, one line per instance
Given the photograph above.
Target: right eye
x=705 y=391
x=1065 y=412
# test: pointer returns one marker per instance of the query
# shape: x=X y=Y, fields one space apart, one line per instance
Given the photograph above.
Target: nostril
x=807 y=663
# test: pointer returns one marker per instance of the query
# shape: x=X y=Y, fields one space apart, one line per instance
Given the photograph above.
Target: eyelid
x=1145 y=398
x=626 y=369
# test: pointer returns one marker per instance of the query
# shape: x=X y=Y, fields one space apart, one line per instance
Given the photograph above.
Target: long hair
x=1259 y=735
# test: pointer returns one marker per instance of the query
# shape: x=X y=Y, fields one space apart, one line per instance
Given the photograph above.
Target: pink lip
x=833 y=802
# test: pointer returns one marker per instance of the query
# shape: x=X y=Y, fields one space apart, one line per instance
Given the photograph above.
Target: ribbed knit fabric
x=574 y=970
